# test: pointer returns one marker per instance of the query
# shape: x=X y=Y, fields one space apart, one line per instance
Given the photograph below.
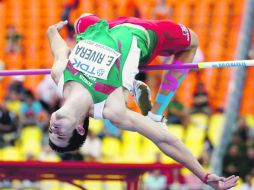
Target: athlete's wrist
x=205 y=178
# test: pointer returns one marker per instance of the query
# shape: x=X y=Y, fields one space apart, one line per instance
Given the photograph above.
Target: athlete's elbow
x=54 y=75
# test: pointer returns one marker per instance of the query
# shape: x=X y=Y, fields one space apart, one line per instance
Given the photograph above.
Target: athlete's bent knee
x=116 y=116
x=77 y=22
x=194 y=39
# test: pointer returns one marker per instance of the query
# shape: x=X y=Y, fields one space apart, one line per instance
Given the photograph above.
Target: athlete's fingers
x=230 y=182
x=229 y=185
x=61 y=24
x=230 y=177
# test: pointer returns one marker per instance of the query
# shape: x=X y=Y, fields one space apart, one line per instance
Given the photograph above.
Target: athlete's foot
x=142 y=96
x=160 y=119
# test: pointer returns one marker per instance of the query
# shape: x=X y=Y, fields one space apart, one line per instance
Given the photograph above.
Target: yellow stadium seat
x=14 y=106
x=10 y=153
x=92 y=185
x=113 y=185
x=30 y=141
x=215 y=128
x=131 y=146
x=65 y=186
x=199 y=120
x=111 y=149
x=177 y=130
x=51 y=184
x=148 y=151
x=96 y=125
x=195 y=139
x=250 y=120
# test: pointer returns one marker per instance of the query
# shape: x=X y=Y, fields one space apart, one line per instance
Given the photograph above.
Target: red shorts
x=172 y=37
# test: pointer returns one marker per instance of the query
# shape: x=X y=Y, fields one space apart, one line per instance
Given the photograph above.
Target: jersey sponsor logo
x=93 y=59
x=83 y=67
x=100 y=72
x=84 y=79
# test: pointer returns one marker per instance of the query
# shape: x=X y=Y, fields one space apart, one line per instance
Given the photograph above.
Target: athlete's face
x=61 y=129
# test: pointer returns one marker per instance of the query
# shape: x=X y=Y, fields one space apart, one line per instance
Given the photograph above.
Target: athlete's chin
x=52 y=119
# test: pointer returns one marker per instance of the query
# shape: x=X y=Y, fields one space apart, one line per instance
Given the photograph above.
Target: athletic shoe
x=163 y=123
x=142 y=96
x=161 y=120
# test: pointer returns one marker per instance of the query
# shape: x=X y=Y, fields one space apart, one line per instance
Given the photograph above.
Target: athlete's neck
x=78 y=102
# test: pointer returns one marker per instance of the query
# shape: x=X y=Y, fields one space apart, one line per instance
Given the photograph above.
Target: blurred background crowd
x=195 y=115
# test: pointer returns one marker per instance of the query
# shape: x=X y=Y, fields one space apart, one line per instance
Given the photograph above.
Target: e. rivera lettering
x=89 y=54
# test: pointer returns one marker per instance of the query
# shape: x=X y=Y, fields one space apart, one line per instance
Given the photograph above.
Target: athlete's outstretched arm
x=174 y=148
x=59 y=49
x=125 y=119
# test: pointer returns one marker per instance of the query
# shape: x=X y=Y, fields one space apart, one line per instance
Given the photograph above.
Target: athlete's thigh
x=174 y=37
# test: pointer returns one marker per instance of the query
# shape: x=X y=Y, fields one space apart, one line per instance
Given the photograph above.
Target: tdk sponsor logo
x=83 y=67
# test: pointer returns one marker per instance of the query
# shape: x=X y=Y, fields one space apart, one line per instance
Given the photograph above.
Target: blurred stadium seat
x=30 y=142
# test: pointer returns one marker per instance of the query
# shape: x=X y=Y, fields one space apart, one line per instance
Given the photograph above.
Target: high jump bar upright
x=198 y=65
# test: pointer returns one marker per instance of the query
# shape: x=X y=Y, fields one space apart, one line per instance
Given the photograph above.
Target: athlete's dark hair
x=75 y=142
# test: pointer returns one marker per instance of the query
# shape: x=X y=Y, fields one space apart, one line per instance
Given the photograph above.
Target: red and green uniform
x=104 y=59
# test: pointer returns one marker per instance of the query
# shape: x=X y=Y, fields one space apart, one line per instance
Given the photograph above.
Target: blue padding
x=165 y=99
x=112 y=129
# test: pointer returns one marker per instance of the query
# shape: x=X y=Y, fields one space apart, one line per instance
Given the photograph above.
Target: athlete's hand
x=61 y=24
x=221 y=183
x=58 y=26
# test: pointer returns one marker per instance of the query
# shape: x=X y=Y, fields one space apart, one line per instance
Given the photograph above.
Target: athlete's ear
x=80 y=129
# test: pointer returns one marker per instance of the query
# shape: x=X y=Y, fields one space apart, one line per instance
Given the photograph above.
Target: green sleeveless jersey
x=98 y=58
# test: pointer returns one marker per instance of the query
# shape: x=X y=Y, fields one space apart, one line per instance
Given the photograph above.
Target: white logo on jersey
x=93 y=59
